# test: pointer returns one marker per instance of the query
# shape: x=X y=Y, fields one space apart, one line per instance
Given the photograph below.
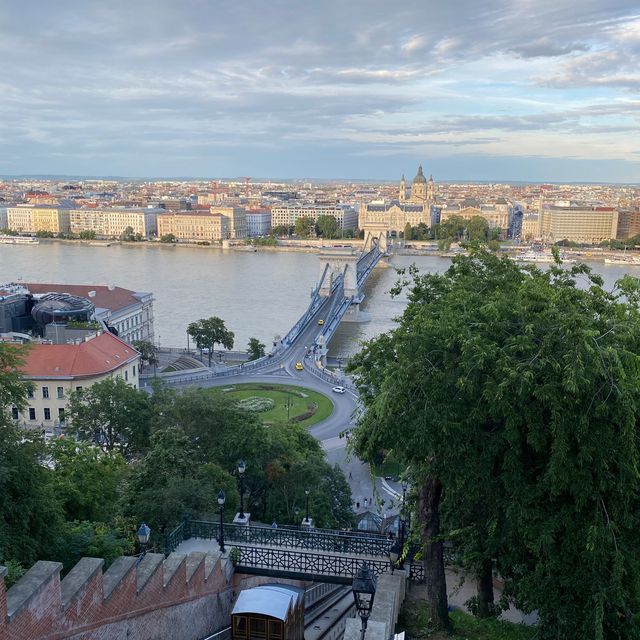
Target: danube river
x=258 y=294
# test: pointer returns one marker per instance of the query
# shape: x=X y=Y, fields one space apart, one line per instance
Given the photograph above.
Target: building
x=498 y=216
x=113 y=222
x=3 y=217
x=237 y=220
x=130 y=313
x=530 y=229
x=194 y=227
x=287 y=214
x=628 y=223
x=413 y=207
x=33 y=219
x=258 y=222
x=56 y=370
x=578 y=224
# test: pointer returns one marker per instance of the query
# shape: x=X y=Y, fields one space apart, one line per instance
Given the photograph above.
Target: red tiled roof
x=105 y=298
x=97 y=356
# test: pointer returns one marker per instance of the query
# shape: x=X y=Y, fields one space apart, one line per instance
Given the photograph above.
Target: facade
x=56 y=370
x=628 y=223
x=346 y=216
x=530 y=229
x=496 y=216
x=194 y=227
x=129 y=312
x=3 y=217
x=237 y=220
x=258 y=222
x=581 y=225
x=111 y=223
x=34 y=219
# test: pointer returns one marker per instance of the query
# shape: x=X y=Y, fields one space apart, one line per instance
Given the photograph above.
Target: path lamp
x=221 y=498
x=395 y=551
x=364 y=591
x=242 y=467
x=296 y=511
x=143 y=534
x=306 y=496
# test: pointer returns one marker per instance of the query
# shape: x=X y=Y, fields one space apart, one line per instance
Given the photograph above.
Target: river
x=258 y=294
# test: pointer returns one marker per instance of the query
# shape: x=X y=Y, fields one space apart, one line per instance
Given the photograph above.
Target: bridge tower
x=336 y=261
x=376 y=233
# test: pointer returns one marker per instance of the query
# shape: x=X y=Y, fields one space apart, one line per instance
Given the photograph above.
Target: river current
x=258 y=294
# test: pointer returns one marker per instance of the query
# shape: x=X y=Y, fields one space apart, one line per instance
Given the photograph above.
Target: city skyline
x=522 y=91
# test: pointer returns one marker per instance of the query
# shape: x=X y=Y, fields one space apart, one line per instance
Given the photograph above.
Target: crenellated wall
x=183 y=596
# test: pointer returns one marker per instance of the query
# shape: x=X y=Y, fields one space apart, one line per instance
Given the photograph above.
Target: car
x=338 y=389
x=299 y=366
x=321 y=321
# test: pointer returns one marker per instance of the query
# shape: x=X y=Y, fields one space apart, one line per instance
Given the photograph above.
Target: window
x=239 y=627
x=47 y=413
x=258 y=628
x=14 y=413
x=275 y=629
x=30 y=393
x=61 y=414
x=45 y=392
x=134 y=369
x=60 y=392
x=126 y=375
x=32 y=413
x=79 y=388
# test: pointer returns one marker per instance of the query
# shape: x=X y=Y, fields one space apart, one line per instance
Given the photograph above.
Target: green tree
x=304 y=226
x=256 y=349
x=513 y=394
x=111 y=414
x=89 y=234
x=408 y=232
x=208 y=332
x=477 y=229
x=168 y=238
x=282 y=230
x=148 y=352
x=327 y=226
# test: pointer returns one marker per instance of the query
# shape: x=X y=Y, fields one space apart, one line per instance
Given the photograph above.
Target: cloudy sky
x=544 y=90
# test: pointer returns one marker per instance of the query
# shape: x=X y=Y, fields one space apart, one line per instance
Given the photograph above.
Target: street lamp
x=143 y=534
x=221 y=498
x=405 y=484
x=364 y=591
x=395 y=551
x=306 y=494
x=296 y=511
x=242 y=467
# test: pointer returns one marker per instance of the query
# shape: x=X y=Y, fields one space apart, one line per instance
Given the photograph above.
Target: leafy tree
x=208 y=332
x=88 y=234
x=477 y=229
x=327 y=227
x=408 y=232
x=256 y=349
x=44 y=234
x=514 y=396
x=282 y=230
x=148 y=352
x=168 y=238
x=111 y=414
x=304 y=226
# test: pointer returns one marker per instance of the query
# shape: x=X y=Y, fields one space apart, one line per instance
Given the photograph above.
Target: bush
x=311 y=409
x=256 y=404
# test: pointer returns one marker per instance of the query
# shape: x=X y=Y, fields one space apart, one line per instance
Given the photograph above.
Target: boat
x=541 y=258
x=18 y=240
x=633 y=262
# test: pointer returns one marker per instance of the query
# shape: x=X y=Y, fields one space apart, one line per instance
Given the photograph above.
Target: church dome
x=419 y=177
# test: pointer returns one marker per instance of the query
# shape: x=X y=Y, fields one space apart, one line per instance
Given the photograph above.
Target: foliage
x=13 y=389
x=208 y=332
x=168 y=238
x=256 y=349
x=88 y=234
x=266 y=241
x=44 y=234
x=128 y=235
x=537 y=383
x=15 y=571
x=327 y=226
x=304 y=226
x=282 y=230
x=408 y=232
x=256 y=404
x=8 y=232
x=111 y=414
x=148 y=352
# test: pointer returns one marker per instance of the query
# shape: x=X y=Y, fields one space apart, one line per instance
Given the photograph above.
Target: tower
x=419 y=187
x=431 y=189
x=403 y=189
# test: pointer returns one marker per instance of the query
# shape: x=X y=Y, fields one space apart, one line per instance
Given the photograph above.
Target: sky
x=544 y=90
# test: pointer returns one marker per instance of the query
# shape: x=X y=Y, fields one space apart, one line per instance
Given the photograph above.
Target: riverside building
x=287 y=214
x=33 y=219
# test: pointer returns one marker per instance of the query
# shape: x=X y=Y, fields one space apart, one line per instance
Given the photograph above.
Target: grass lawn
x=299 y=398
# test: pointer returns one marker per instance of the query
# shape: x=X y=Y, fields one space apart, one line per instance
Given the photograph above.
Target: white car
x=338 y=389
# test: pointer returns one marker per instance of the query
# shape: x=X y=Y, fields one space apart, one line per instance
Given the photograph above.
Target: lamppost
x=395 y=550
x=143 y=534
x=242 y=467
x=364 y=591
x=221 y=498
x=405 y=484
x=296 y=511
x=306 y=496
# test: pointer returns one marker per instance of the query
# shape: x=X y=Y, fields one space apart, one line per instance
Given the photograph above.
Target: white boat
x=541 y=258
x=18 y=240
x=634 y=262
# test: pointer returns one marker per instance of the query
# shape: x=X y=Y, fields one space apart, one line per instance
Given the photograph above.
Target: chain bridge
x=289 y=552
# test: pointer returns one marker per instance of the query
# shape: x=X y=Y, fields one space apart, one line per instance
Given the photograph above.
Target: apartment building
x=33 y=219
x=237 y=220
x=194 y=227
x=496 y=216
x=287 y=214
x=56 y=370
x=628 y=223
x=578 y=224
x=113 y=222
x=3 y=217
x=258 y=222
x=530 y=229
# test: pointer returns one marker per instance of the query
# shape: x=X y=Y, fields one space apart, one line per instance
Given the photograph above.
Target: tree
x=168 y=238
x=408 y=232
x=477 y=229
x=327 y=226
x=256 y=349
x=88 y=234
x=111 y=414
x=514 y=395
x=148 y=352
x=282 y=230
x=304 y=226
x=208 y=332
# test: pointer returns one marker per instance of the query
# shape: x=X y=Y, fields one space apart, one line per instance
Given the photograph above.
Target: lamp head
x=364 y=590
x=143 y=534
x=221 y=498
x=405 y=484
x=242 y=467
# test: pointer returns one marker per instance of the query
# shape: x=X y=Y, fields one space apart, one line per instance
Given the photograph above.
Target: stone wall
x=183 y=596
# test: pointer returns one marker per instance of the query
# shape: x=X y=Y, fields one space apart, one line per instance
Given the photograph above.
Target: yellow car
x=321 y=321
x=299 y=366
